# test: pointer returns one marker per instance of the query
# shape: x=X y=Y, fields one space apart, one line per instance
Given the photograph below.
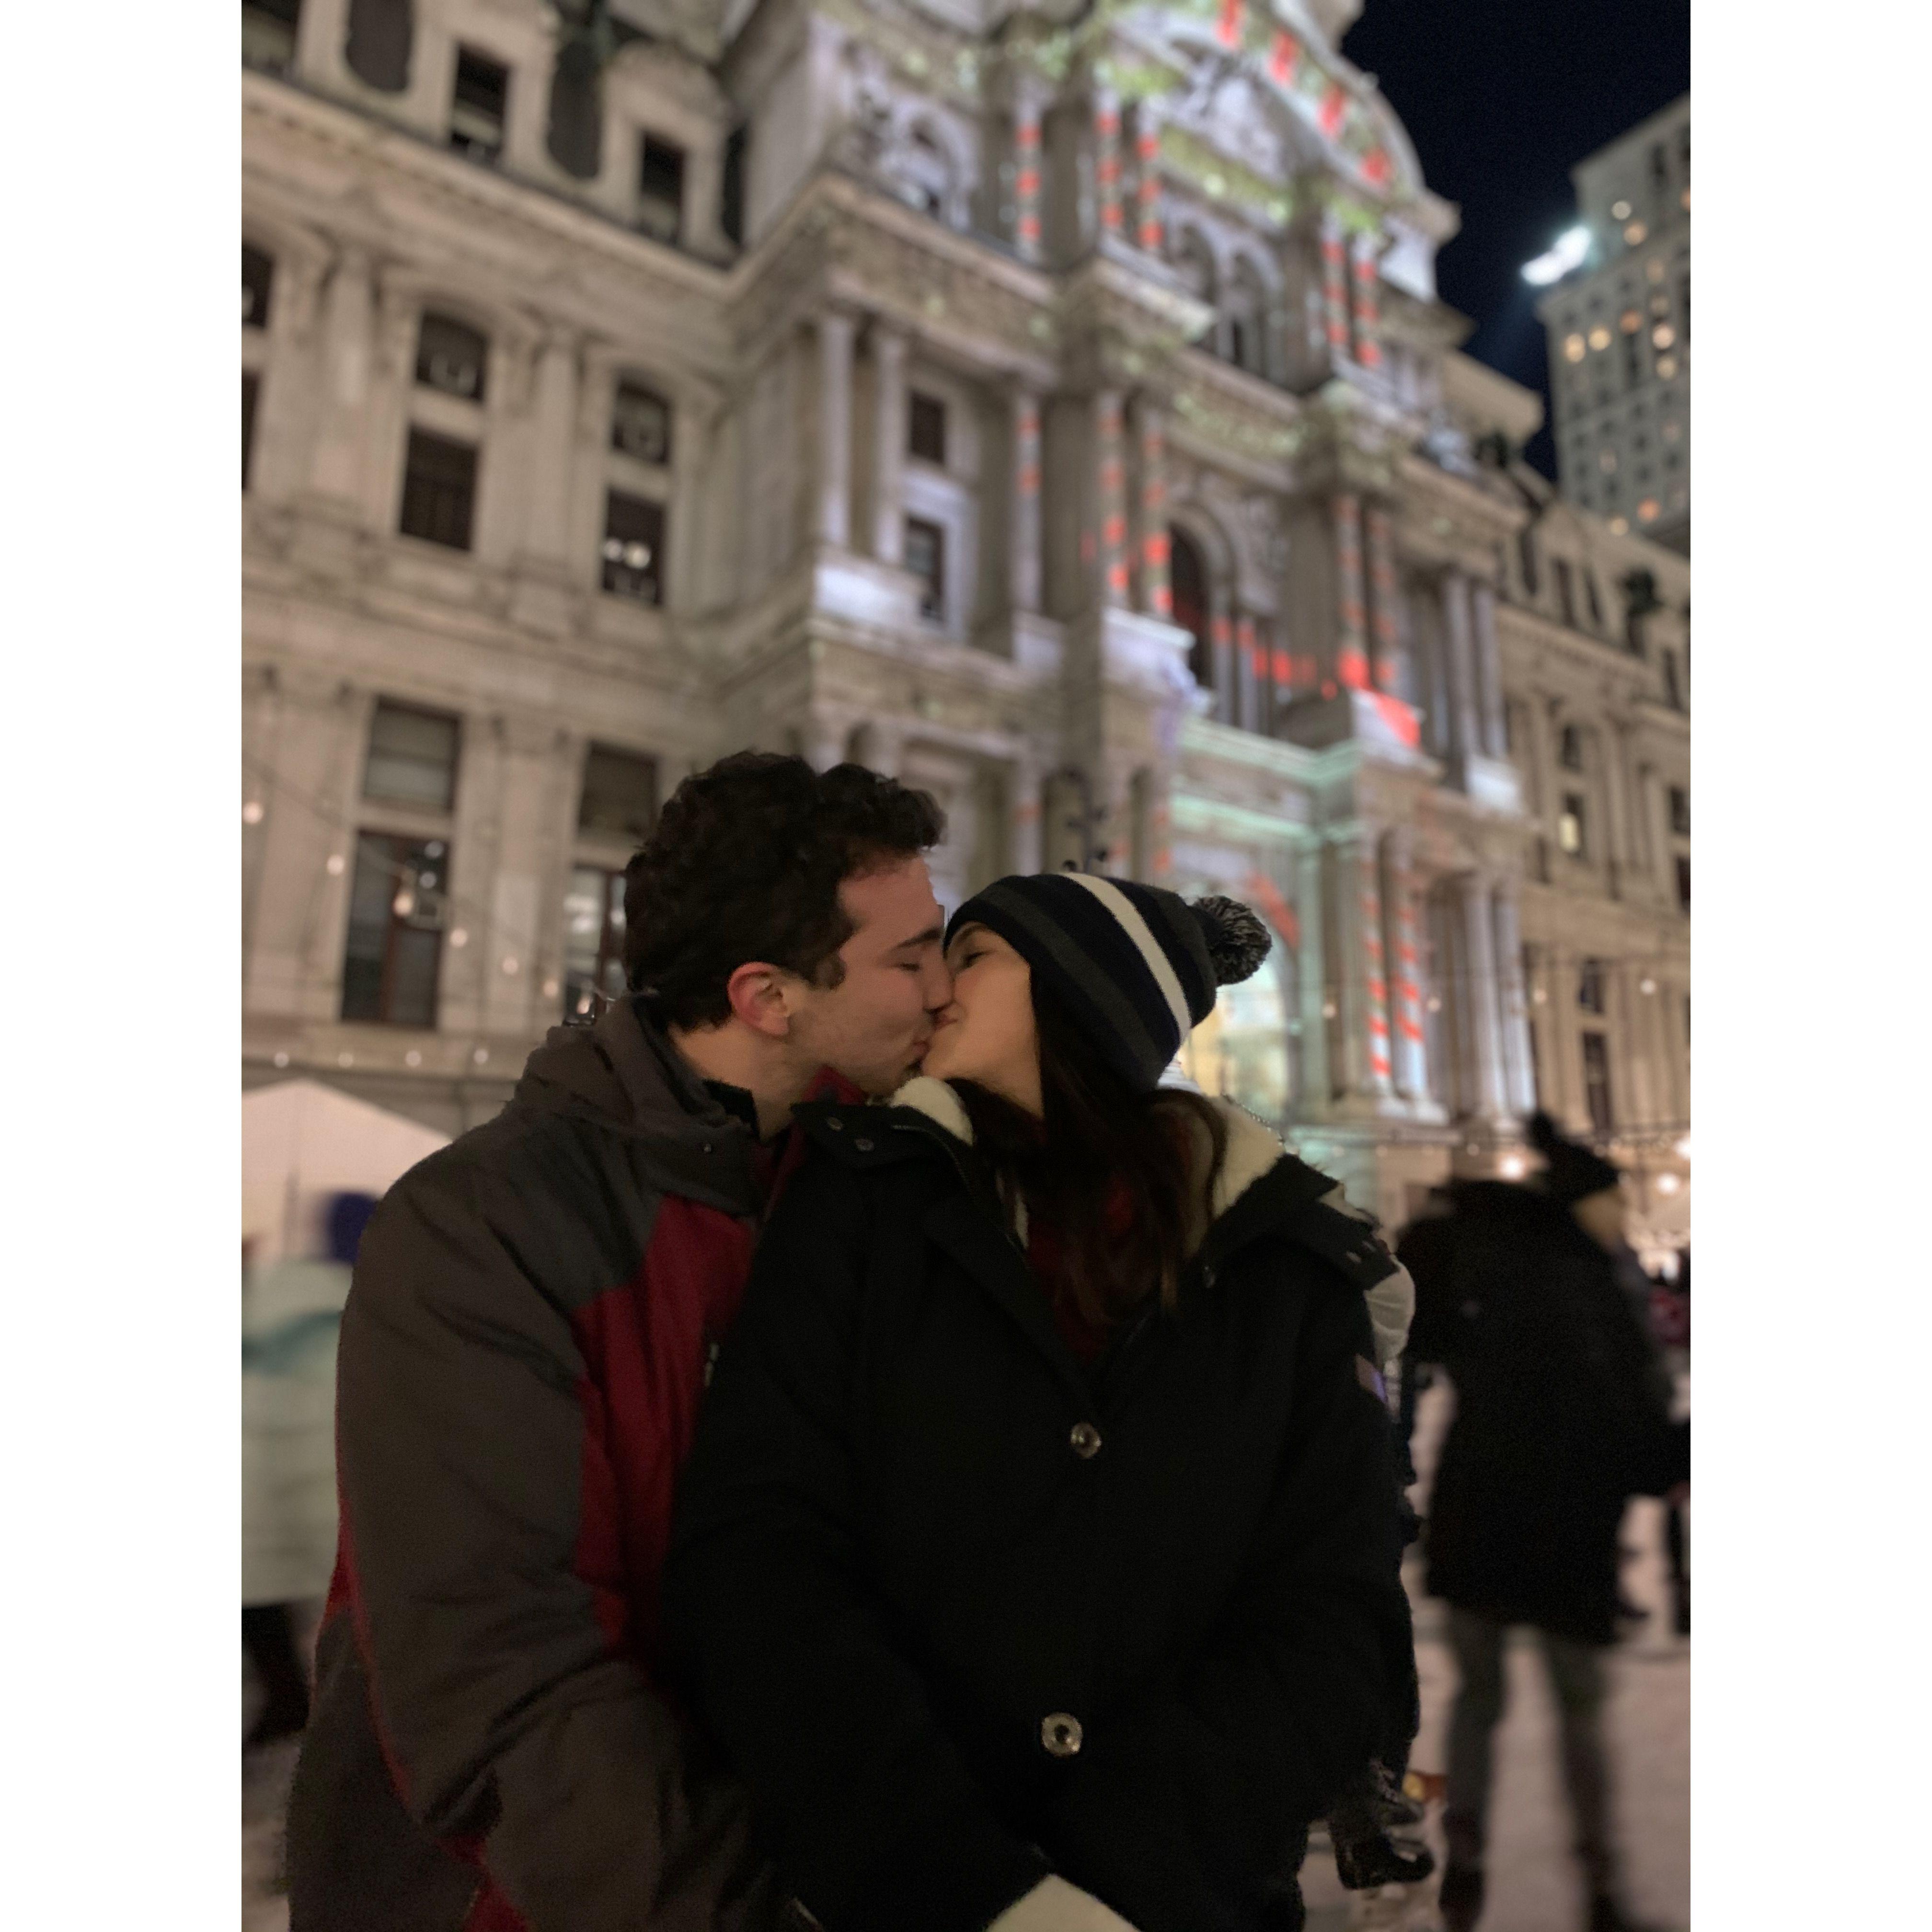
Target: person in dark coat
x=494 y=1747
x=1037 y=1561
x=1562 y=1416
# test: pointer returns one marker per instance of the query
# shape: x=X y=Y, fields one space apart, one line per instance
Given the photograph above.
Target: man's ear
x=761 y=998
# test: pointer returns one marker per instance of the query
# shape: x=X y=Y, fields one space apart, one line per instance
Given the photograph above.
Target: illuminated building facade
x=1619 y=330
x=1062 y=419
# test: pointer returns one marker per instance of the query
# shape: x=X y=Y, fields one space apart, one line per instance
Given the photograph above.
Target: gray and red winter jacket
x=529 y=1333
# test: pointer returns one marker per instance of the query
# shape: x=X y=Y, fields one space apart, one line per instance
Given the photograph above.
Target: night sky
x=1502 y=98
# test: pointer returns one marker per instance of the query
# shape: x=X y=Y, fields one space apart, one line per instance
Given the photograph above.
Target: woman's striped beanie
x=1135 y=965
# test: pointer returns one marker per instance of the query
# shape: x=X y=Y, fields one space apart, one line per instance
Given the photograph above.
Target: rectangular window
x=1572 y=827
x=1684 y=882
x=633 y=548
x=620 y=793
x=661 y=189
x=1566 y=592
x=1673 y=691
x=390 y=965
x=1680 y=811
x=258 y=275
x=640 y=423
x=250 y=389
x=925 y=428
x=925 y=558
x=411 y=758
x=452 y=357
x=439 y=491
x=1570 y=749
x=477 y=113
x=593 y=941
x=268 y=34
x=1592 y=600
x=1590 y=986
x=1597 y=1081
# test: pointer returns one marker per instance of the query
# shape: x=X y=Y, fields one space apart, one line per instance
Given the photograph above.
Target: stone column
x=1027 y=235
x=1107 y=161
x=889 y=443
x=1464 y=718
x=1479 y=1032
x=1026 y=833
x=526 y=127
x=1389 y=672
x=833 y=520
x=321 y=40
x=1248 y=682
x=1351 y=659
x=1317 y=1082
x=1335 y=285
x=1411 y=1043
x=552 y=446
x=694 y=452
x=1148 y=231
x=1023 y=535
x=348 y=355
x=1519 y=1061
x=1109 y=453
x=1489 y=669
x=1364 y=990
x=1150 y=507
x=1367 y=308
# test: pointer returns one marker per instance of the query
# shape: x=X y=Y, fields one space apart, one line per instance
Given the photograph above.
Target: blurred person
x=532 y=1323
x=1562 y=1414
x=291 y=1312
x=1670 y=1321
x=1038 y=1561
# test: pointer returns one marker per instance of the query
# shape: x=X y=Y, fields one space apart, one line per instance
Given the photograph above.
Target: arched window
x=1187 y=573
x=380 y=34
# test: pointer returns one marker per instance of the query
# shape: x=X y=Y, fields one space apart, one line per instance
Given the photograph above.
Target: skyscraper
x=1619 y=328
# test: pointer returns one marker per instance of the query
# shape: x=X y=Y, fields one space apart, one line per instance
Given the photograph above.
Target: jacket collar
x=1262 y=1189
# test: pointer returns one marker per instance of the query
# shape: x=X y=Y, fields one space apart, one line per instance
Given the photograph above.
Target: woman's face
x=986 y=1034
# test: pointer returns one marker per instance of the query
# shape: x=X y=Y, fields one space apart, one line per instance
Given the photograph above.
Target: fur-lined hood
x=1253 y=1151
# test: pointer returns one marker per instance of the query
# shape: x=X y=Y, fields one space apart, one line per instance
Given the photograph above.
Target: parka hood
x=624 y=1076
x=1254 y=1152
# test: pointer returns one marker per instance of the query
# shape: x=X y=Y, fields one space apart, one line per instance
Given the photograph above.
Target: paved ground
x=1533 y=1886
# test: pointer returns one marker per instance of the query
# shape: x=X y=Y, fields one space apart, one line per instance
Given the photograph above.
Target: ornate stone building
x=1062 y=417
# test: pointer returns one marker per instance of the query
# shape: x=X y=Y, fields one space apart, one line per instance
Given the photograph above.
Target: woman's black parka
x=964 y=1610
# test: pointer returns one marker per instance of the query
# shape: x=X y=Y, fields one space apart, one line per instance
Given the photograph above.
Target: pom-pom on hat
x=1135 y=965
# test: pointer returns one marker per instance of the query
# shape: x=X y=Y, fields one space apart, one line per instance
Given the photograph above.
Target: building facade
x=1062 y=419
x=1619 y=329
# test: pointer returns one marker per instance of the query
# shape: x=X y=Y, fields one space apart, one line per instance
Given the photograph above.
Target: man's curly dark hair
x=746 y=862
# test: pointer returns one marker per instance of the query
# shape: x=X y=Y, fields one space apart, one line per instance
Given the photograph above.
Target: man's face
x=874 y=1026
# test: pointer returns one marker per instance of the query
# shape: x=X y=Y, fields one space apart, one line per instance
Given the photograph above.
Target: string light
x=1512 y=1167
x=481 y=1056
x=337 y=862
x=345 y=1060
x=459 y=937
x=1668 y=1184
x=510 y=965
x=1684 y=1148
x=281 y=1060
x=412 y=1058
x=251 y=812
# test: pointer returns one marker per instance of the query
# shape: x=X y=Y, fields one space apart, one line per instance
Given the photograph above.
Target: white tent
x=302 y=1142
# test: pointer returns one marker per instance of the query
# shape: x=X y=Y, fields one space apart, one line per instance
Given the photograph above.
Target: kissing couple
x=849 y=1447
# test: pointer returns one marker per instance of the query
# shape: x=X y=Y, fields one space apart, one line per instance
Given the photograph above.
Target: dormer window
x=661 y=190
x=477 y=114
x=451 y=357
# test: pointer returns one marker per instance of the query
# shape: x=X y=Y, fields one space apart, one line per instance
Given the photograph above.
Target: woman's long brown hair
x=1100 y=1136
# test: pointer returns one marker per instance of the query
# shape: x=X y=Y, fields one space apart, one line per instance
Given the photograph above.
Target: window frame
x=484 y=153
x=397 y=927
x=922 y=407
x=932 y=602
x=399 y=708
x=613 y=571
x=421 y=490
